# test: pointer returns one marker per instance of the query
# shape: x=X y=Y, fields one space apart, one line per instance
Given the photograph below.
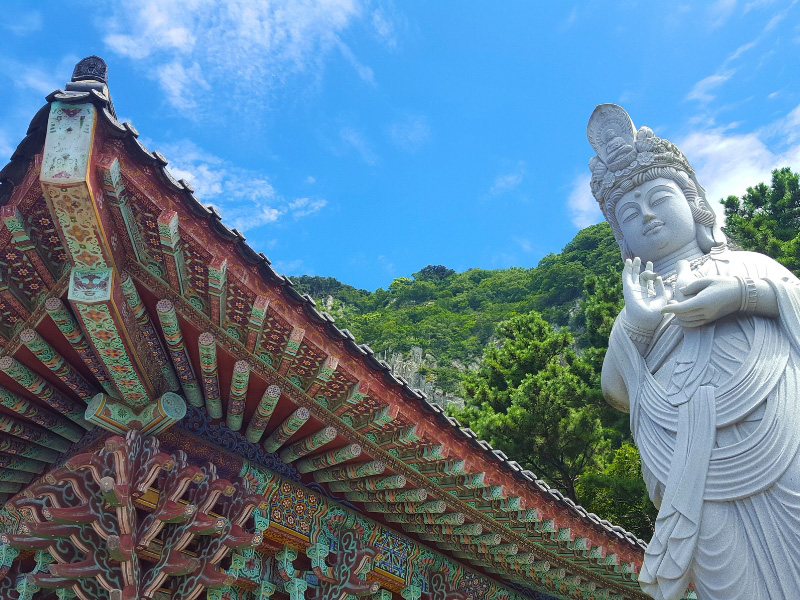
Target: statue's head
x=636 y=167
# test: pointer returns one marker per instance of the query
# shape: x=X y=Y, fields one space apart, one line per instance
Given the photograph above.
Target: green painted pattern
x=286 y=429
x=177 y=349
x=369 y=484
x=40 y=416
x=238 y=395
x=329 y=459
x=50 y=358
x=207 y=347
x=309 y=444
x=346 y=472
x=43 y=390
x=35 y=434
x=142 y=317
x=18 y=463
x=69 y=327
x=16 y=446
x=102 y=330
x=257 y=425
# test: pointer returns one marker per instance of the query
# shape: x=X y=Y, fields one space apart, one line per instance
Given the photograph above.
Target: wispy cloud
x=410 y=133
x=22 y=24
x=180 y=83
x=719 y=12
x=31 y=77
x=351 y=138
x=505 y=182
x=582 y=207
x=302 y=207
x=384 y=24
x=247 y=46
x=245 y=199
x=701 y=91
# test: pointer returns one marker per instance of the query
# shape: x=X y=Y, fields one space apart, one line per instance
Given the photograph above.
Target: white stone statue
x=706 y=358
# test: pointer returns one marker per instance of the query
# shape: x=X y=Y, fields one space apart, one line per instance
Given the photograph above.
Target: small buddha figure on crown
x=705 y=356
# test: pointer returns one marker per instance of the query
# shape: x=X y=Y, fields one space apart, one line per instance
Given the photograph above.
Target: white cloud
x=245 y=199
x=410 y=133
x=583 y=208
x=701 y=91
x=353 y=139
x=310 y=180
x=245 y=46
x=24 y=23
x=727 y=163
x=302 y=207
x=719 y=12
x=384 y=27
x=505 y=182
x=178 y=82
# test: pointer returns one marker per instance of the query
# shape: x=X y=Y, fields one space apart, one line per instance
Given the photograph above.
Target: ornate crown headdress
x=623 y=153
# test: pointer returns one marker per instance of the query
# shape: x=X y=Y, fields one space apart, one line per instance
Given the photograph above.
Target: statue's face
x=655 y=219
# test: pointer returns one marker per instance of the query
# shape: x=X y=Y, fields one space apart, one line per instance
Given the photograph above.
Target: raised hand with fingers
x=644 y=294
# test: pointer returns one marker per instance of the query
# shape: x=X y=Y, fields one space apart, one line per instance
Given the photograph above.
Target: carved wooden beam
x=172 y=249
x=148 y=330
x=217 y=279
x=351 y=472
x=286 y=429
x=62 y=369
x=41 y=416
x=376 y=419
x=323 y=375
x=177 y=349
x=329 y=459
x=238 y=394
x=365 y=484
x=258 y=422
x=412 y=495
x=309 y=444
x=70 y=329
x=16 y=463
x=35 y=434
x=255 y=322
x=43 y=390
x=207 y=347
x=291 y=348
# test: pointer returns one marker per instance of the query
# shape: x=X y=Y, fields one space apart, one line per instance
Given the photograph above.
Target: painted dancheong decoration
x=179 y=423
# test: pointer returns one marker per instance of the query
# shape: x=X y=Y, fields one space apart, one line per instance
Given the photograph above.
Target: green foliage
x=767 y=218
x=452 y=316
x=618 y=494
x=530 y=398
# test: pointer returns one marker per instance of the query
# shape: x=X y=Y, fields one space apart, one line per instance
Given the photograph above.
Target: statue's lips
x=652 y=226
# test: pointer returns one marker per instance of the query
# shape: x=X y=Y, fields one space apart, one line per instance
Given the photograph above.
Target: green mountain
x=450 y=316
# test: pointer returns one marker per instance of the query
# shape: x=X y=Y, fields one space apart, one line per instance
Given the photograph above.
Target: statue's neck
x=669 y=264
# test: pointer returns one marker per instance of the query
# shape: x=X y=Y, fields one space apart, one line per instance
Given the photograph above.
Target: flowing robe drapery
x=715 y=412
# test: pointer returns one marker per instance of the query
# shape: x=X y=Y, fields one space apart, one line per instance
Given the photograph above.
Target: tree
x=618 y=493
x=767 y=218
x=529 y=399
x=433 y=273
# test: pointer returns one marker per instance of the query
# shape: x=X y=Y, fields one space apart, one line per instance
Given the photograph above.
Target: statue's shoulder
x=760 y=265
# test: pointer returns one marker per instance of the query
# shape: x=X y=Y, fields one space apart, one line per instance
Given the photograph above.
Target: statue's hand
x=702 y=301
x=644 y=295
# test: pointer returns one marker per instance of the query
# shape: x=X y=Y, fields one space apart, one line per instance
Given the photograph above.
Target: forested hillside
x=452 y=316
x=524 y=347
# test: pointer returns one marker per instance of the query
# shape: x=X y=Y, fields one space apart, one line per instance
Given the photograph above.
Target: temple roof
x=264 y=327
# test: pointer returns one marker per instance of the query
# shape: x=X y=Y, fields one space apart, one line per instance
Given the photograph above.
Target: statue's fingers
x=658 y=286
x=648 y=265
x=637 y=267
x=696 y=286
x=680 y=308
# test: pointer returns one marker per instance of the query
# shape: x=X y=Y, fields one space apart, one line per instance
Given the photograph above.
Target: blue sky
x=366 y=140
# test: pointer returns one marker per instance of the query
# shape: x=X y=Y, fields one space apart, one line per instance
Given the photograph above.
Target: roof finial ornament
x=91 y=67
